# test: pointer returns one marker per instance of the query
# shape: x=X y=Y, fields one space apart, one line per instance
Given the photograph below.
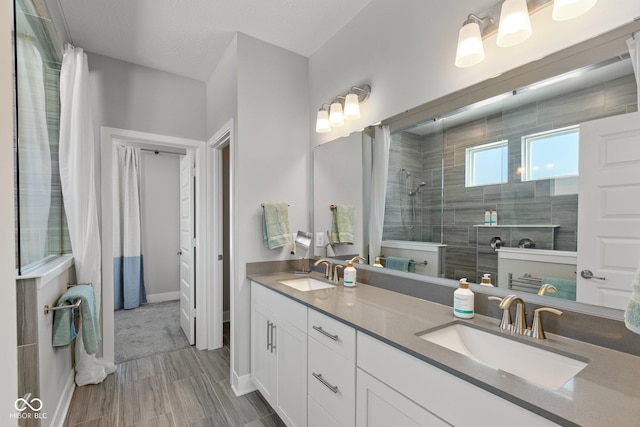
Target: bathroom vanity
x=336 y=356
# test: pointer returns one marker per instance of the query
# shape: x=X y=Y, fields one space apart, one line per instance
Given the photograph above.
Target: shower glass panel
x=41 y=229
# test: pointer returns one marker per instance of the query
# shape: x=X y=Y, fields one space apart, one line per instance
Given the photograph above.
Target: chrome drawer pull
x=268 y=334
x=333 y=388
x=325 y=333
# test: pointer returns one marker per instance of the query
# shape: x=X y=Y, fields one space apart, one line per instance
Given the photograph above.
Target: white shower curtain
x=379 y=172
x=34 y=155
x=77 y=176
x=633 y=43
x=128 y=273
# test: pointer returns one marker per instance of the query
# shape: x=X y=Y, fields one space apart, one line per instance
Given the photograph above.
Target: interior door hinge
x=193 y=312
x=194 y=242
x=193 y=171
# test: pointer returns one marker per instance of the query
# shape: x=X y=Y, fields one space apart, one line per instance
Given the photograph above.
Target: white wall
x=271 y=159
x=406 y=50
x=8 y=356
x=160 y=203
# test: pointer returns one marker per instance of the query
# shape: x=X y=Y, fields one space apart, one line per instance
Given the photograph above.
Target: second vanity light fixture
x=513 y=26
x=336 y=114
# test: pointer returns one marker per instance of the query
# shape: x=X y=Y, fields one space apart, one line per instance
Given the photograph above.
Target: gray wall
x=468 y=251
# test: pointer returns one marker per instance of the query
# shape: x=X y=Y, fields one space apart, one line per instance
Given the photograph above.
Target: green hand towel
x=275 y=225
x=342 y=221
x=397 y=263
x=632 y=313
x=63 y=329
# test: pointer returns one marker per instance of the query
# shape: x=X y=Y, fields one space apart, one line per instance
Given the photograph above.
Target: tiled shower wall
x=468 y=252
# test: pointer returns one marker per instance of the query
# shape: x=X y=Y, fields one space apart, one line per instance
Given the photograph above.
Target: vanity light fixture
x=336 y=114
x=513 y=26
x=564 y=10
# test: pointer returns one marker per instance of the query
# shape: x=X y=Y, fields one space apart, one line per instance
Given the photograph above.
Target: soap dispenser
x=486 y=280
x=463 y=301
x=350 y=275
x=377 y=263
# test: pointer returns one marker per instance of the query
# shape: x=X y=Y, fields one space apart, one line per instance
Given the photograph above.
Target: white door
x=187 y=249
x=609 y=210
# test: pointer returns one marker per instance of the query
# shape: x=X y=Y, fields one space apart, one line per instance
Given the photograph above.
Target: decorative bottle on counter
x=494 y=217
x=486 y=280
x=350 y=275
x=487 y=217
x=377 y=263
x=463 y=301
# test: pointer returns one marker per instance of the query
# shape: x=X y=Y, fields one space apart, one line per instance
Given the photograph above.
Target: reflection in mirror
x=514 y=155
x=338 y=180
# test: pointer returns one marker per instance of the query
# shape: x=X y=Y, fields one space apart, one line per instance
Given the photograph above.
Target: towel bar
x=425 y=262
x=76 y=304
x=262 y=205
x=333 y=206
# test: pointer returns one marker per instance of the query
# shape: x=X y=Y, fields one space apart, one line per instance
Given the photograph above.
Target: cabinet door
x=262 y=356
x=381 y=406
x=291 y=356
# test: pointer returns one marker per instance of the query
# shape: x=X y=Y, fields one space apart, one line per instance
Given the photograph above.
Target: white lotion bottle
x=350 y=275
x=463 y=301
x=486 y=280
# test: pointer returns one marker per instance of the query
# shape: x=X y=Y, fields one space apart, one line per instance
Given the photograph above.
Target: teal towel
x=63 y=328
x=397 y=263
x=275 y=225
x=566 y=288
x=632 y=313
x=342 y=220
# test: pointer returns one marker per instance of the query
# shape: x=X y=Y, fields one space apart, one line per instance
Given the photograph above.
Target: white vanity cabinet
x=393 y=385
x=332 y=372
x=279 y=353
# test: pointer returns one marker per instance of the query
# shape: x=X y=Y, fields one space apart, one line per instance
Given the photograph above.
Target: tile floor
x=186 y=387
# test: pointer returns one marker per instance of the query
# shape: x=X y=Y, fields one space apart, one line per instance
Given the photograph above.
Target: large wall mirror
x=515 y=151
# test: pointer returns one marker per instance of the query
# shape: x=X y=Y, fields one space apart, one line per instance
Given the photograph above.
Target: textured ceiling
x=188 y=37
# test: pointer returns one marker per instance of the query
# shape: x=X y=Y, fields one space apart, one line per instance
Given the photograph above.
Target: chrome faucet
x=336 y=276
x=327 y=263
x=359 y=259
x=505 y=322
x=519 y=325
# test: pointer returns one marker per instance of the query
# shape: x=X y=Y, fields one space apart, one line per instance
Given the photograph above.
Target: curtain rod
x=160 y=151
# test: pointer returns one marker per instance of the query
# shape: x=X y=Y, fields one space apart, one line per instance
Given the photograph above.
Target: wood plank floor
x=186 y=387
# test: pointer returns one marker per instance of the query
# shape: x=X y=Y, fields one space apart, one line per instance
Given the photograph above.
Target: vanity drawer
x=332 y=333
x=332 y=382
x=287 y=309
x=318 y=416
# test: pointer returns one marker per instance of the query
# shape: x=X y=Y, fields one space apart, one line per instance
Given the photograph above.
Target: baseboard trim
x=65 y=401
x=167 y=296
x=242 y=385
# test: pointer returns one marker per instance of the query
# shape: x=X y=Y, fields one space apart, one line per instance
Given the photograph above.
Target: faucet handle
x=505 y=322
x=547 y=288
x=536 y=329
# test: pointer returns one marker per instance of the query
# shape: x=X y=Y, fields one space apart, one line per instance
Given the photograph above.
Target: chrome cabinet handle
x=268 y=335
x=333 y=388
x=588 y=274
x=273 y=330
x=325 y=333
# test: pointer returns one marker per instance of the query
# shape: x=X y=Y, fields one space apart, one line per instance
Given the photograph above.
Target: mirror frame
x=595 y=50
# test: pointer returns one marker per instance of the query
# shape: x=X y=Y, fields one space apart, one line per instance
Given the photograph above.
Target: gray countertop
x=606 y=392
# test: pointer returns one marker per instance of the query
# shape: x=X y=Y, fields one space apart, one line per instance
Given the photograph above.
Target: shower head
x=413 y=193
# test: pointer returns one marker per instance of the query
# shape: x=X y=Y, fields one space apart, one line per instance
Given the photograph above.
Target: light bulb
x=351 y=107
x=470 y=48
x=335 y=115
x=515 y=26
x=322 y=122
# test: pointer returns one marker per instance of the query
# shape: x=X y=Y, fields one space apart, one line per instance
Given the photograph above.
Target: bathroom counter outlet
x=605 y=392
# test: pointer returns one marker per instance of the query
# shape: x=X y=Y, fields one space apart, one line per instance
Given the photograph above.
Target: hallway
x=187 y=387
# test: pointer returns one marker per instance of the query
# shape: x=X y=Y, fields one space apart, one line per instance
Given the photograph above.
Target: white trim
x=109 y=138
x=416 y=246
x=538 y=255
x=48 y=271
x=223 y=137
x=65 y=401
x=166 y=296
x=242 y=384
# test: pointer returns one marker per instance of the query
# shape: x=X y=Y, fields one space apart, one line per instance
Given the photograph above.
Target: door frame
x=222 y=138
x=109 y=139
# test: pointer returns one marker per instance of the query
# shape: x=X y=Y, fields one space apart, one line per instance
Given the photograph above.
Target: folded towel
x=632 y=313
x=275 y=225
x=566 y=288
x=63 y=328
x=342 y=220
x=397 y=263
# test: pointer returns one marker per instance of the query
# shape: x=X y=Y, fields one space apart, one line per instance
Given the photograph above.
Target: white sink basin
x=545 y=368
x=306 y=284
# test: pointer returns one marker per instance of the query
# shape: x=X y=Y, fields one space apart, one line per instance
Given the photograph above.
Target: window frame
x=470 y=163
x=525 y=175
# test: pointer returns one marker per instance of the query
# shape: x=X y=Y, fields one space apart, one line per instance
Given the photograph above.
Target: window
x=551 y=154
x=487 y=164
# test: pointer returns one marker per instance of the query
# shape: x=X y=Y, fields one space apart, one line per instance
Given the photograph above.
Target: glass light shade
x=568 y=9
x=351 y=107
x=470 y=48
x=335 y=115
x=322 y=122
x=515 y=26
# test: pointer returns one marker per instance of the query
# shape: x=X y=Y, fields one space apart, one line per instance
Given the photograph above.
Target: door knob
x=179 y=252
x=588 y=274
